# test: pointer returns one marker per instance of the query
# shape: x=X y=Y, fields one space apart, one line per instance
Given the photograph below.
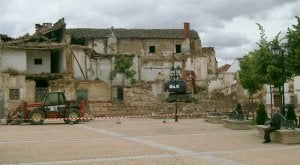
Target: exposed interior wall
x=215 y=85
x=14 y=59
x=229 y=79
x=58 y=64
x=38 y=62
x=158 y=86
x=97 y=44
x=201 y=71
x=150 y=70
x=80 y=64
x=105 y=66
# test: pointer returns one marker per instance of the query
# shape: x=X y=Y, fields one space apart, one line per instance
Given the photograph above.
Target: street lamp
x=174 y=78
x=277 y=50
x=174 y=73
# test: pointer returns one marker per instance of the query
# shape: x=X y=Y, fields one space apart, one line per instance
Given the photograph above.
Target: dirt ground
x=139 y=141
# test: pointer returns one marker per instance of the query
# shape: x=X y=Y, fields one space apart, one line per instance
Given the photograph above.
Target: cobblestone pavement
x=139 y=141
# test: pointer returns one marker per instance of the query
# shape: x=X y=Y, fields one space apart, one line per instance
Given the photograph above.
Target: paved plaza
x=139 y=141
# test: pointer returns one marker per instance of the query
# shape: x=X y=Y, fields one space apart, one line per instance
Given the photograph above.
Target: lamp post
x=174 y=77
x=282 y=51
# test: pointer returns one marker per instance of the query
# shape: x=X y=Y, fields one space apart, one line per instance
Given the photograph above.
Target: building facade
x=78 y=61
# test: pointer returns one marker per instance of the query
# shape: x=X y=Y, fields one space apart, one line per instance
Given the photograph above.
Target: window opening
x=14 y=94
x=178 y=48
x=151 y=49
x=38 y=61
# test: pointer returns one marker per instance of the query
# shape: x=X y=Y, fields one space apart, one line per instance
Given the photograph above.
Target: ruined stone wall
x=97 y=90
x=141 y=46
x=98 y=96
x=196 y=47
x=30 y=91
x=66 y=85
x=147 y=65
x=209 y=52
x=137 y=101
x=13 y=82
x=201 y=72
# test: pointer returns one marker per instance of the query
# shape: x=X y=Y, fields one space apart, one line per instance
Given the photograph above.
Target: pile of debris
x=190 y=110
x=138 y=96
x=141 y=97
x=194 y=110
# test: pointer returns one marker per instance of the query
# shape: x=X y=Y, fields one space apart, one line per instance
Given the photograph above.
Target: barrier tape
x=126 y=116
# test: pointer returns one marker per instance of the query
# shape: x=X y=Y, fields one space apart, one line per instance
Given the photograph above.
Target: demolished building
x=78 y=61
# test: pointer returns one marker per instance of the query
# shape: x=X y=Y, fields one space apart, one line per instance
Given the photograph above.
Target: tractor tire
x=18 y=120
x=36 y=117
x=8 y=120
x=72 y=116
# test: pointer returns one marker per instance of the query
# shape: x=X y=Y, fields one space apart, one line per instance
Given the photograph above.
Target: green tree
x=123 y=66
x=293 y=58
x=249 y=79
x=269 y=66
x=262 y=66
x=261 y=115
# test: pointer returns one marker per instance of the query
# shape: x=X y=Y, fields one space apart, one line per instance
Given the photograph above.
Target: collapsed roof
x=46 y=36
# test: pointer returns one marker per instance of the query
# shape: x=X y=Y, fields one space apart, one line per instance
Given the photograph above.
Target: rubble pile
x=191 y=110
x=194 y=110
x=139 y=97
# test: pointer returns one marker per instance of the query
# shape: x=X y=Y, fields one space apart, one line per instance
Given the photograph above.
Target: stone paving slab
x=139 y=141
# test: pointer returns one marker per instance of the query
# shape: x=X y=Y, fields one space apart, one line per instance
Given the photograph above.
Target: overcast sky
x=227 y=25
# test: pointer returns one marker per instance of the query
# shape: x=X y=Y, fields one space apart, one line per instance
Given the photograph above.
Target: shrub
x=239 y=110
x=261 y=116
x=291 y=115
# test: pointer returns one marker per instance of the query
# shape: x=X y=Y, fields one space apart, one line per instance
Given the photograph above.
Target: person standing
x=275 y=124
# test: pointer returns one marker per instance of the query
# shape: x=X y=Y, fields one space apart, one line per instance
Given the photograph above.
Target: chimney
x=186 y=31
